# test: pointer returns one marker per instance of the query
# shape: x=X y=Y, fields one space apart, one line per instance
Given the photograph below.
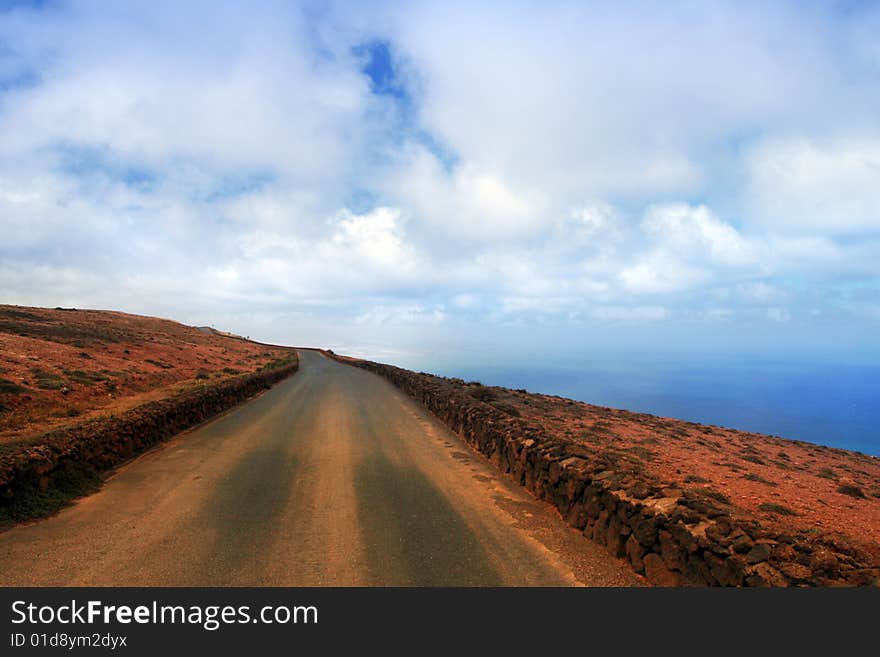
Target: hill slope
x=61 y=366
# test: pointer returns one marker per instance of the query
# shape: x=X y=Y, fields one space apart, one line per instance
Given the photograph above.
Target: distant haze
x=453 y=184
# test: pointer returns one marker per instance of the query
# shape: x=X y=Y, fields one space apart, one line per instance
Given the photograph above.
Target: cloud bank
x=418 y=176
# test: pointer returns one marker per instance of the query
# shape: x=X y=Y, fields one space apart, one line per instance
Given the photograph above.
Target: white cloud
x=467 y=205
x=686 y=246
x=406 y=313
x=832 y=187
x=627 y=313
x=779 y=314
x=694 y=232
x=554 y=162
x=594 y=218
x=659 y=273
x=375 y=238
x=761 y=292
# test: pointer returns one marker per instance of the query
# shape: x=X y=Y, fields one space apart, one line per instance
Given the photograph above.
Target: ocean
x=829 y=404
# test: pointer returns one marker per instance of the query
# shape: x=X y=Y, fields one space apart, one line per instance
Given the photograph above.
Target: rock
x=639 y=491
x=645 y=531
x=825 y=562
x=722 y=527
x=763 y=574
x=685 y=515
x=672 y=492
x=615 y=542
x=589 y=528
x=635 y=553
x=729 y=571
x=602 y=520
x=795 y=572
x=864 y=577
x=684 y=537
x=697 y=573
x=555 y=472
x=665 y=505
x=574 y=489
x=577 y=516
x=759 y=552
x=657 y=572
x=592 y=506
x=742 y=544
x=717 y=533
x=673 y=554
x=782 y=552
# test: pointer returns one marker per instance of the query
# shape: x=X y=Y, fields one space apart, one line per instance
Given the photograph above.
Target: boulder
x=758 y=553
x=635 y=553
x=657 y=573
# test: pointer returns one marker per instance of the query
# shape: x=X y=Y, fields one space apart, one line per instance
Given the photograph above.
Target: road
x=332 y=477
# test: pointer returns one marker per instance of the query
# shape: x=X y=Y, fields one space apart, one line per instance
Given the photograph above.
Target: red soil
x=58 y=367
x=827 y=490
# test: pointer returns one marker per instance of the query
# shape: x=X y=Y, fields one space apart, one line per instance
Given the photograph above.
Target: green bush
x=10 y=388
x=47 y=380
x=770 y=507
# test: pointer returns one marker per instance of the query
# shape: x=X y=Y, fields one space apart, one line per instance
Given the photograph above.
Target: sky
x=427 y=182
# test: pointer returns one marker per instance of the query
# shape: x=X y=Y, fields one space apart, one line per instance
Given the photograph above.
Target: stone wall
x=34 y=467
x=671 y=535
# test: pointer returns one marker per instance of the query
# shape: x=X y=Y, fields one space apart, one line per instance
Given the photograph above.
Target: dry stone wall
x=96 y=445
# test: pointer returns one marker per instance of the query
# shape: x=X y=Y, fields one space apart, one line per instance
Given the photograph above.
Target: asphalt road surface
x=332 y=477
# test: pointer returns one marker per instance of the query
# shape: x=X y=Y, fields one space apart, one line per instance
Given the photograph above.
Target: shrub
x=770 y=507
x=758 y=478
x=718 y=496
x=278 y=362
x=10 y=388
x=508 y=408
x=86 y=378
x=852 y=490
x=47 y=380
x=483 y=394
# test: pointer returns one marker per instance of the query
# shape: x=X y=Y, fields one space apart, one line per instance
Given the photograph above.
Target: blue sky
x=449 y=181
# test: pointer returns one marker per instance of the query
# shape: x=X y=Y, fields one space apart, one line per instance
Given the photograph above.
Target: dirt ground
x=785 y=483
x=60 y=366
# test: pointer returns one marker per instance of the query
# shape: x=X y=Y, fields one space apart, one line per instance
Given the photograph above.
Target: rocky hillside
x=61 y=366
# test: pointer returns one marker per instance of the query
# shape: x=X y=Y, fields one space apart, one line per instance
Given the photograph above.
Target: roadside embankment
x=672 y=532
x=40 y=475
